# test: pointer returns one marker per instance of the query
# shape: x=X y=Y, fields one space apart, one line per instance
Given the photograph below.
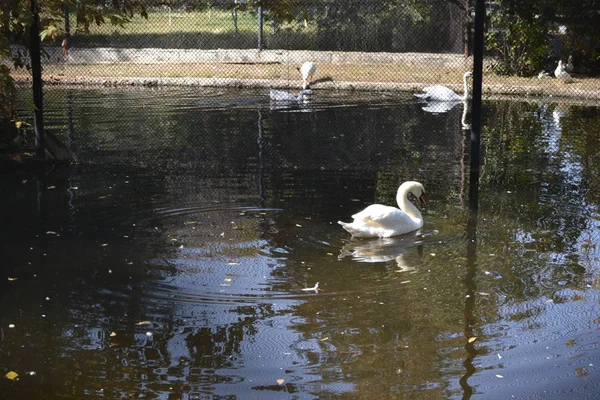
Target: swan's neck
x=465 y=95
x=408 y=207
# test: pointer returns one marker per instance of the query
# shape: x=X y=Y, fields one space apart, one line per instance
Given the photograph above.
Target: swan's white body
x=307 y=70
x=442 y=93
x=378 y=220
x=280 y=95
x=560 y=72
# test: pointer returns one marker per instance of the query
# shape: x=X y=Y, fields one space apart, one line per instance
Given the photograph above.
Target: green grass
x=210 y=29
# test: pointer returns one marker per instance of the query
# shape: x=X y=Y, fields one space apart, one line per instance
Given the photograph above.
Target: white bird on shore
x=307 y=70
x=560 y=72
x=378 y=220
x=442 y=93
x=543 y=74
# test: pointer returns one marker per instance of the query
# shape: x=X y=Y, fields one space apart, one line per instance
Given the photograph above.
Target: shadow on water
x=172 y=261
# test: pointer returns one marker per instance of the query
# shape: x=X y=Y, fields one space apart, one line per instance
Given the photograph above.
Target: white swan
x=560 y=72
x=442 y=93
x=378 y=220
x=307 y=70
x=280 y=95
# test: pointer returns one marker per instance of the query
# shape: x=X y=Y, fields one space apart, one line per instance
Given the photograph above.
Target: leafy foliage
x=520 y=44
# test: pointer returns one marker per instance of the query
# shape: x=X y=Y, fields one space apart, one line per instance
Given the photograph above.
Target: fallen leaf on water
x=325 y=338
x=499 y=376
x=11 y=375
x=315 y=288
x=51 y=187
x=12 y=279
x=280 y=381
x=143 y=323
x=104 y=244
x=190 y=222
x=227 y=279
x=472 y=339
x=238 y=228
x=233 y=263
x=51 y=233
x=484 y=294
x=113 y=334
x=11 y=326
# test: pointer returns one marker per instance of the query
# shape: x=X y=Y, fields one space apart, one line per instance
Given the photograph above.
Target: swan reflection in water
x=441 y=107
x=281 y=100
x=381 y=250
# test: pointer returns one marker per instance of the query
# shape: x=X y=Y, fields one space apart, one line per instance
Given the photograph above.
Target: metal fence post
x=260 y=28
x=36 y=74
x=476 y=107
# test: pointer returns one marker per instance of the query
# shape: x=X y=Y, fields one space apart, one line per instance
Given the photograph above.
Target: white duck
x=378 y=220
x=280 y=95
x=560 y=72
x=442 y=93
x=307 y=70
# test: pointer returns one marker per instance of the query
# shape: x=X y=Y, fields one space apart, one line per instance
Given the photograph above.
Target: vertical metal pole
x=476 y=107
x=67 y=22
x=260 y=28
x=36 y=72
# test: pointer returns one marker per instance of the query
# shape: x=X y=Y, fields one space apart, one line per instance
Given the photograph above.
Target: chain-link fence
x=357 y=44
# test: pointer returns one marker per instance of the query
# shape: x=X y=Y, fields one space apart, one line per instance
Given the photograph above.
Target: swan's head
x=467 y=74
x=416 y=188
x=560 y=63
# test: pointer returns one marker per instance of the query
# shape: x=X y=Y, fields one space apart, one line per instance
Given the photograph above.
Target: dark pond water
x=171 y=262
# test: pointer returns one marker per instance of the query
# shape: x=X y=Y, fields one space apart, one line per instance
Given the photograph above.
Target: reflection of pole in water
x=261 y=167
x=71 y=125
x=471 y=265
x=469 y=311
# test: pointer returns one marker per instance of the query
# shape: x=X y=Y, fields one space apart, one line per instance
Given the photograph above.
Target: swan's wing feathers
x=380 y=215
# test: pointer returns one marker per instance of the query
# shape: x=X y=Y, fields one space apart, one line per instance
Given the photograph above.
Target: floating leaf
x=51 y=233
x=11 y=375
x=51 y=187
x=233 y=263
x=12 y=279
x=280 y=381
x=315 y=288
x=104 y=244
x=113 y=334
x=499 y=376
x=143 y=323
x=472 y=339
x=227 y=279
x=325 y=339
x=190 y=222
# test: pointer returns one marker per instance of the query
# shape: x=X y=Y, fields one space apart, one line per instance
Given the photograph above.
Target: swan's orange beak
x=422 y=199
